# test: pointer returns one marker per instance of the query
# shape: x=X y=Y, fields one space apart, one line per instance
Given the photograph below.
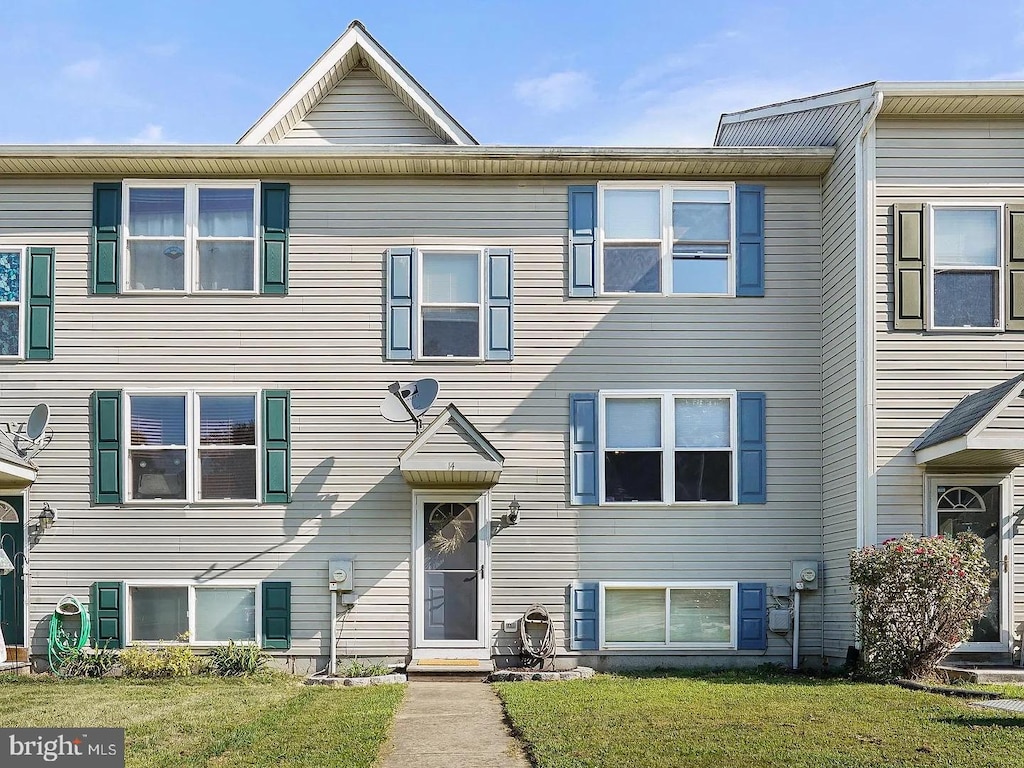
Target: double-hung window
x=192 y=446
x=667 y=238
x=12 y=303
x=674 y=614
x=450 y=304
x=966 y=266
x=199 y=613
x=195 y=237
x=674 y=447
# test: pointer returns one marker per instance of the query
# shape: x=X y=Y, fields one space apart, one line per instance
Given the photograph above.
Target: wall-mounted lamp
x=513 y=511
x=47 y=517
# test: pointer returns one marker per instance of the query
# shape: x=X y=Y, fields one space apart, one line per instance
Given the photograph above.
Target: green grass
x=272 y=721
x=754 y=720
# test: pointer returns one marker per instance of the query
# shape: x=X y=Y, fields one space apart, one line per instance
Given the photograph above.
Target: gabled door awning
x=985 y=429
x=451 y=452
x=16 y=472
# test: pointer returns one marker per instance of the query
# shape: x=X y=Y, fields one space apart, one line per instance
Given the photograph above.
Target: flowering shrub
x=917 y=599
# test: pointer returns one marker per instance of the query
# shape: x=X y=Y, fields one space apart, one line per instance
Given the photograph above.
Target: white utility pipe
x=796 y=629
x=334 y=634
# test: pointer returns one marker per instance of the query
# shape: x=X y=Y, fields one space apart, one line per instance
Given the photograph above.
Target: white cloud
x=556 y=92
x=83 y=70
x=151 y=134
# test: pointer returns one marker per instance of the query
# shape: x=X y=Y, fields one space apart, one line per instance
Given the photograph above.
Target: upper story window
x=190 y=236
x=667 y=238
x=450 y=305
x=668 y=447
x=12 y=302
x=966 y=267
x=192 y=446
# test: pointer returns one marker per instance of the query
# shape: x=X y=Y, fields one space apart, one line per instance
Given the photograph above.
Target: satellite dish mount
x=30 y=438
x=408 y=402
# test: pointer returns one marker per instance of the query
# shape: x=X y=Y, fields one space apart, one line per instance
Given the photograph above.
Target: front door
x=977 y=507
x=12 y=585
x=451 y=584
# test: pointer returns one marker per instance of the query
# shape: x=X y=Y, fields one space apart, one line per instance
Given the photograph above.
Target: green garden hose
x=61 y=644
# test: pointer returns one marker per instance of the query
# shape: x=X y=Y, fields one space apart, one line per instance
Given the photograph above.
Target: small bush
x=917 y=599
x=238 y=659
x=357 y=668
x=86 y=663
x=170 y=661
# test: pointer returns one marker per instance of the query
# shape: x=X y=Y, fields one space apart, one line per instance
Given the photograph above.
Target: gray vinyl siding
x=323 y=342
x=836 y=125
x=360 y=110
x=922 y=375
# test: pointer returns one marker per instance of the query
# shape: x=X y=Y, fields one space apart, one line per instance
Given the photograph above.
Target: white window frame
x=480 y=305
x=21 y=303
x=667 y=586
x=192 y=585
x=191 y=234
x=192 y=446
x=668 y=443
x=666 y=189
x=1000 y=268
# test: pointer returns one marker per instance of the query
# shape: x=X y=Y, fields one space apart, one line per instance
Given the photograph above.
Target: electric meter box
x=341 y=574
x=806 y=574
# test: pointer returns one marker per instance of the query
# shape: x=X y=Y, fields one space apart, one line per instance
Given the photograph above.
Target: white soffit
x=331 y=68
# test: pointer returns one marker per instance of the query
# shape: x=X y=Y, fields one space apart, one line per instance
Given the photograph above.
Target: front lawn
x=754 y=720
x=199 y=721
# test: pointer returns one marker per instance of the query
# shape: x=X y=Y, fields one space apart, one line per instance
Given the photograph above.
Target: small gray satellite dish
x=407 y=402
x=38 y=420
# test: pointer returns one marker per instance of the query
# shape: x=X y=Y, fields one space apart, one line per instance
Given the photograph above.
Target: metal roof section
x=960 y=439
x=207 y=161
x=355 y=45
x=465 y=459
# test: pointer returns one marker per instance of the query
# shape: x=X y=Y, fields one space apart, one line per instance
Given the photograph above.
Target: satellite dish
x=407 y=402
x=38 y=420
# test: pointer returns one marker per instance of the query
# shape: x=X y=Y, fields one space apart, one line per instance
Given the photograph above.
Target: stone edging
x=509 y=676
x=358 y=682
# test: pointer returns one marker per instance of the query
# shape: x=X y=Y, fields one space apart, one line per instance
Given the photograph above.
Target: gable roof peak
x=355 y=46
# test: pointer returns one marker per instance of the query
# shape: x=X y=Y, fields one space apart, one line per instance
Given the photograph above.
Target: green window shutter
x=399 y=322
x=277 y=615
x=274 y=202
x=39 y=328
x=106 y=233
x=105 y=418
x=910 y=249
x=499 y=304
x=277 y=451
x=1015 y=267
x=106 y=614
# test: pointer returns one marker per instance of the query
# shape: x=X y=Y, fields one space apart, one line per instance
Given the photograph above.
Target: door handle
x=1006 y=563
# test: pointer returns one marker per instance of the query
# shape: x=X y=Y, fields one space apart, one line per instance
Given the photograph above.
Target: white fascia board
x=941 y=450
x=994 y=412
x=952 y=88
x=20 y=475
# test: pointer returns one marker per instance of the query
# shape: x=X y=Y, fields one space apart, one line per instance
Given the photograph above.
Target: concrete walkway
x=451 y=725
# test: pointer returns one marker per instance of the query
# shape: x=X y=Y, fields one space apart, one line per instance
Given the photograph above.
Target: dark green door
x=12 y=587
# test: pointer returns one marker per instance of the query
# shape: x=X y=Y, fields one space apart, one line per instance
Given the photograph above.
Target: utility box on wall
x=341 y=574
x=806 y=575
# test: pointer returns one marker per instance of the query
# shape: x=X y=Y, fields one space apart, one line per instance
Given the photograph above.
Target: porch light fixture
x=47 y=517
x=513 y=511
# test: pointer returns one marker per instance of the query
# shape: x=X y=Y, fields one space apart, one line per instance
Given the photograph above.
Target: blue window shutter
x=277 y=615
x=106 y=614
x=753 y=482
x=107 y=481
x=499 y=304
x=582 y=239
x=274 y=226
x=750 y=240
x=106 y=233
x=583 y=616
x=753 y=624
x=400 y=321
x=583 y=418
x=39 y=313
x=277 y=450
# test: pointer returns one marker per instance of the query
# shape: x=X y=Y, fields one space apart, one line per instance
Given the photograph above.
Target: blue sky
x=550 y=72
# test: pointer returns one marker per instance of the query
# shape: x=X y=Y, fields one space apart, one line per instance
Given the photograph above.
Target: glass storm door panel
x=12 y=586
x=451 y=571
x=976 y=509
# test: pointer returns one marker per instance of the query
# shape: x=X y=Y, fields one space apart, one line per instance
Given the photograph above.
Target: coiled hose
x=61 y=644
x=537 y=615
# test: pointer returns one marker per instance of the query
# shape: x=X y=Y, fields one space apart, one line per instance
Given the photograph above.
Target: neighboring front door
x=967 y=506
x=451 y=578
x=12 y=586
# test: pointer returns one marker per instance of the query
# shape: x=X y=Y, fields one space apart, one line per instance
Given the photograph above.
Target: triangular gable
x=451 y=451
x=355 y=51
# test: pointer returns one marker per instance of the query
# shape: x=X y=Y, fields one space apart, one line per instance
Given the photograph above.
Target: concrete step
x=983 y=673
x=17 y=653
x=449 y=670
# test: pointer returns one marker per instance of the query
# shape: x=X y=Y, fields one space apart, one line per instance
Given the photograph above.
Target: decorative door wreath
x=452 y=525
